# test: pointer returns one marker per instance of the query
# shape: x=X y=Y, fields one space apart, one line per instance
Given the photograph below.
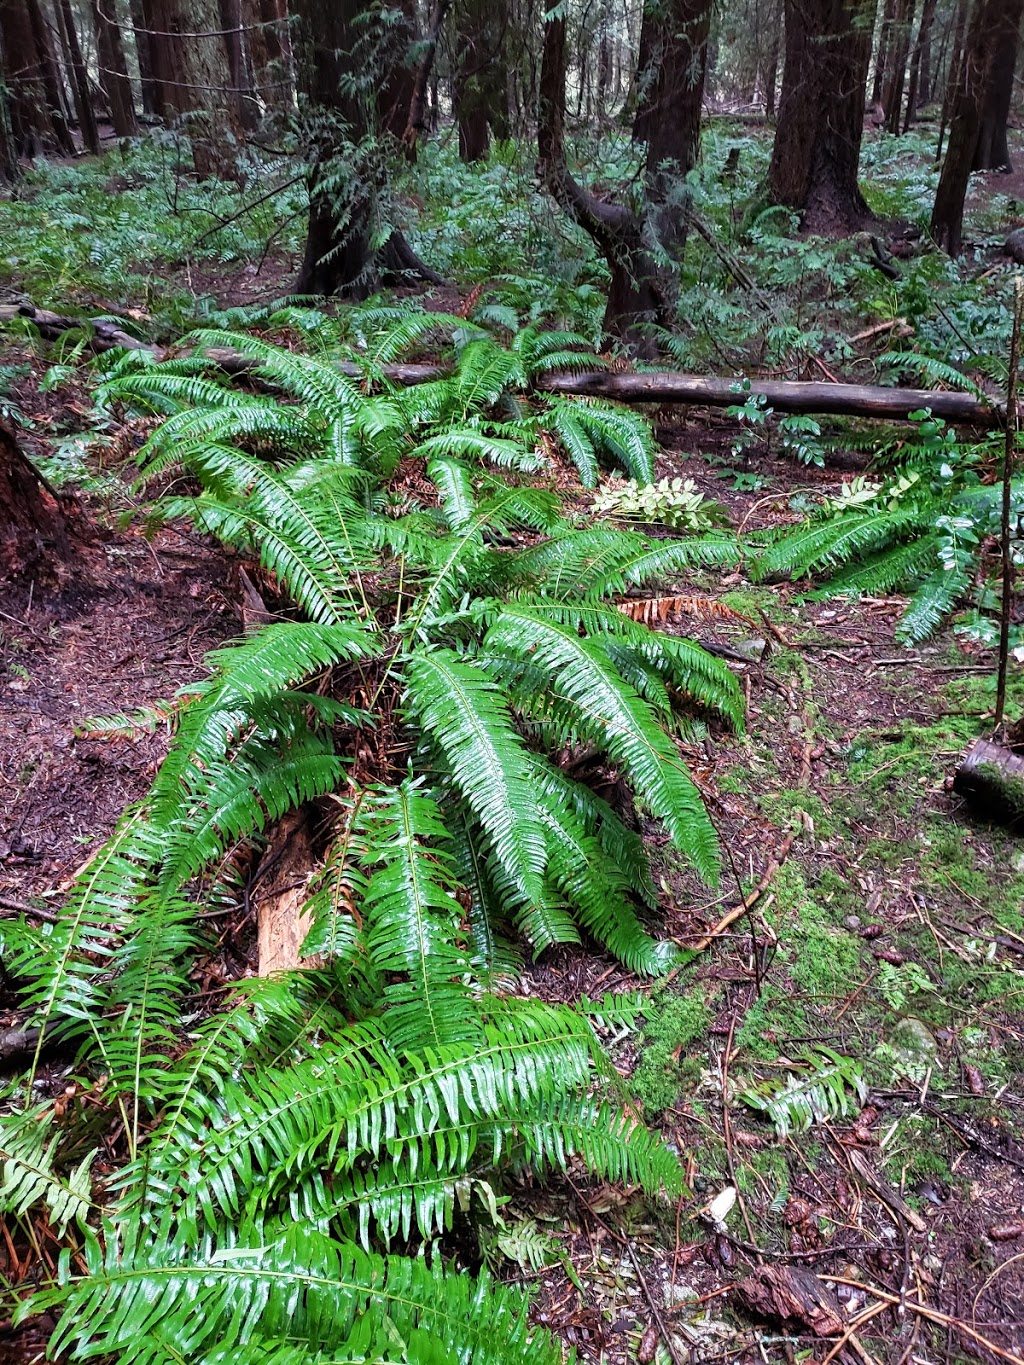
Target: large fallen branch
x=848 y=400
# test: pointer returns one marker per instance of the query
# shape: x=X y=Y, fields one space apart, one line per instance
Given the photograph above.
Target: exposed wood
x=849 y=400
x=281 y=924
x=991 y=779
x=792 y=1296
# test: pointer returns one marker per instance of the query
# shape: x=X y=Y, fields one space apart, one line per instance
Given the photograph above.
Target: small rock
x=752 y=649
x=678 y=1295
x=915 y=1040
x=795 y=725
x=1014 y=245
x=1017 y=861
x=852 y=921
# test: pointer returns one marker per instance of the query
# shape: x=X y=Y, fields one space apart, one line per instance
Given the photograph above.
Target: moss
x=664 y=1074
x=771 y=1021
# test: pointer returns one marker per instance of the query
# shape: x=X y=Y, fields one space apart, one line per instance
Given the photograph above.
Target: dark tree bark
x=240 y=103
x=32 y=128
x=480 y=86
x=149 y=89
x=821 y=113
x=114 y=79
x=919 y=83
x=10 y=169
x=33 y=533
x=638 y=295
x=899 y=51
x=51 y=75
x=38 y=124
x=269 y=49
x=882 y=56
x=958 y=30
x=417 y=121
x=75 y=65
x=668 y=115
x=966 y=107
x=992 y=152
x=396 y=92
x=339 y=257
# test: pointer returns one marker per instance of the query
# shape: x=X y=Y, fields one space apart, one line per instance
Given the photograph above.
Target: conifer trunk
x=79 y=81
x=821 y=113
x=113 y=69
x=993 y=151
x=966 y=108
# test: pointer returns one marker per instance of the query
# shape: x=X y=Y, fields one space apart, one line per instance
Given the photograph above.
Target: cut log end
x=990 y=779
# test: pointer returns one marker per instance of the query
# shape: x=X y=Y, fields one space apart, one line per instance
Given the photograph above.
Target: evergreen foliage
x=446 y=640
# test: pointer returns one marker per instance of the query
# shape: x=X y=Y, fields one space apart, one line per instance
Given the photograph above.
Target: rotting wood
x=990 y=778
x=282 y=923
x=847 y=400
x=792 y=1296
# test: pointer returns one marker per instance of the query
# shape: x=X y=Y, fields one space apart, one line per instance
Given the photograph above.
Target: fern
x=447 y=636
x=828 y=1088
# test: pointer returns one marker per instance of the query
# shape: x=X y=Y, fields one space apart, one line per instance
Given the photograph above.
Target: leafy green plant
x=924 y=529
x=827 y=1086
x=673 y=502
x=447 y=643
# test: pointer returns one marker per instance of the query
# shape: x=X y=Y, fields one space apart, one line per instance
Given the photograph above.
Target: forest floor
x=886 y=926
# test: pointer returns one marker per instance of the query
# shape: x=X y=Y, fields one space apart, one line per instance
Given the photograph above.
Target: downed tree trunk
x=990 y=778
x=848 y=400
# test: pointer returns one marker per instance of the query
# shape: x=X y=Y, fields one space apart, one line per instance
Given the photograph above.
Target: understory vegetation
x=540 y=884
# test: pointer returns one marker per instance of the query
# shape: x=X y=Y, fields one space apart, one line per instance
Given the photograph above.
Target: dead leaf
x=648 y=1346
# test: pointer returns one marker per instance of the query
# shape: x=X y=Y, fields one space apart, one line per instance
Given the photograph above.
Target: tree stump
x=990 y=778
x=34 y=540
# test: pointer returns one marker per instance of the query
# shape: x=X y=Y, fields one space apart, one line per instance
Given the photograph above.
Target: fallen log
x=847 y=400
x=990 y=778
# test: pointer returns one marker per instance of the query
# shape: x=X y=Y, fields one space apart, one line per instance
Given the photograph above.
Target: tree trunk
x=31 y=125
x=38 y=124
x=958 y=28
x=637 y=295
x=993 y=152
x=240 y=104
x=33 y=534
x=480 y=86
x=919 y=63
x=113 y=69
x=53 y=82
x=338 y=257
x=79 y=81
x=966 y=105
x=882 y=56
x=10 y=169
x=396 y=92
x=269 y=49
x=417 y=121
x=668 y=115
x=821 y=113
x=152 y=98
x=899 y=51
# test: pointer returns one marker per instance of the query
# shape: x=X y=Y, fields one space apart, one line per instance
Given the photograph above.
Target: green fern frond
x=618 y=719
x=414 y=925
x=297 y=1286
x=828 y=1087
x=28 y=1147
x=461 y=708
